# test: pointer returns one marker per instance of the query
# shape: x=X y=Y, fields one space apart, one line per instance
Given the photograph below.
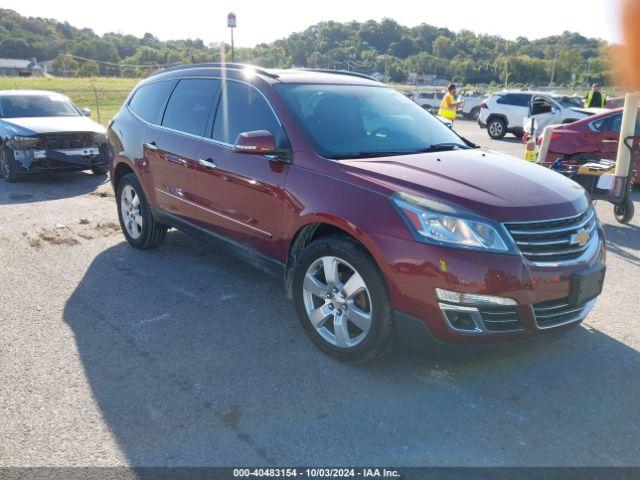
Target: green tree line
x=384 y=47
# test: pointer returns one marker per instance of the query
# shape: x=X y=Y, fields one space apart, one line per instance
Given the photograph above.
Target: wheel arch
x=318 y=227
x=498 y=115
x=119 y=171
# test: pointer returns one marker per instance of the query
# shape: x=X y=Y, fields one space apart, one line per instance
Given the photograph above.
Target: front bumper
x=38 y=160
x=413 y=271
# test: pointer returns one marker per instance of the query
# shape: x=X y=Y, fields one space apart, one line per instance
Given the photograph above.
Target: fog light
x=472 y=298
x=461 y=321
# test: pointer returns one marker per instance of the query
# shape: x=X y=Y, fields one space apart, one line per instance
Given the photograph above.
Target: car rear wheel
x=475 y=113
x=138 y=225
x=497 y=128
x=341 y=300
x=9 y=166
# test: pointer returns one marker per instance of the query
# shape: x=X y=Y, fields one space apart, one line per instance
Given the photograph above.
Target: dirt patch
x=106 y=228
x=102 y=194
x=59 y=236
x=84 y=221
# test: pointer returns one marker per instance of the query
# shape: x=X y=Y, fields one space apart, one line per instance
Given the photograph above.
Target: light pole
x=231 y=23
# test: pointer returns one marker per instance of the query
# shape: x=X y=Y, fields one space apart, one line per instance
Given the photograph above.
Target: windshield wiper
x=373 y=154
x=437 y=147
x=444 y=147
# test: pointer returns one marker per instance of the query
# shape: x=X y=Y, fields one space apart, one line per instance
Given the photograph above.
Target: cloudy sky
x=264 y=21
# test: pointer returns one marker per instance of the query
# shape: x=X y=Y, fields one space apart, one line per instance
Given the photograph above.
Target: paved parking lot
x=184 y=356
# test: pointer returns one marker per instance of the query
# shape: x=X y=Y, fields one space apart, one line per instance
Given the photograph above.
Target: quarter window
x=189 y=105
x=148 y=100
x=243 y=109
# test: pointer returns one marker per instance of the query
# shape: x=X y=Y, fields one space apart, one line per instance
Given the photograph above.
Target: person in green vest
x=595 y=98
x=448 y=106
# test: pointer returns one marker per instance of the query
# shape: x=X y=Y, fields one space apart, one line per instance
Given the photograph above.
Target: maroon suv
x=381 y=221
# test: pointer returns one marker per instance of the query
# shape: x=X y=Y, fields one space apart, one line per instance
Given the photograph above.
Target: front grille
x=554 y=240
x=65 y=141
x=556 y=312
x=500 y=319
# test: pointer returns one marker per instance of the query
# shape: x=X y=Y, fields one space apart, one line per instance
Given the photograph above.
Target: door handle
x=609 y=140
x=151 y=146
x=207 y=163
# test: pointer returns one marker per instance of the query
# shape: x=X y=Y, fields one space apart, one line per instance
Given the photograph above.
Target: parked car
x=509 y=112
x=380 y=221
x=430 y=100
x=471 y=105
x=43 y=131
x=589 y=139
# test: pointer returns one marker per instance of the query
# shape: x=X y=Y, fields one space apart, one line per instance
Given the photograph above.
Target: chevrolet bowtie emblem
x=580 y=238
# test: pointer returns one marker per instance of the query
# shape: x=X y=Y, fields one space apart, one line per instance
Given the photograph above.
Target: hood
x=589 y=111
x=496 y=186
x=29 y=126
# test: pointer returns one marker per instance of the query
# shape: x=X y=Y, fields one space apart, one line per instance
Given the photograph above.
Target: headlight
x=99 y=138
x=447 y=227
x=20 y=143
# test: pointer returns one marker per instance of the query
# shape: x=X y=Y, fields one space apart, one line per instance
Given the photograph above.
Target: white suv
x=509 y=111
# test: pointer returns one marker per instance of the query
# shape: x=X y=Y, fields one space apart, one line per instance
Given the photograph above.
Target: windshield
x=350 y=121
x=15 y=106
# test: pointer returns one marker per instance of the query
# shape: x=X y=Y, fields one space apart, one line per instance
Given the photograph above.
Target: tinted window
x=189 y=105
x=243 y=109
x=148 y=99
x=348 y=121
x=516 y=99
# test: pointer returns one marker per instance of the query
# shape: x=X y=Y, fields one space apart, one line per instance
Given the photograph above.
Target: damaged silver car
x=43 y=131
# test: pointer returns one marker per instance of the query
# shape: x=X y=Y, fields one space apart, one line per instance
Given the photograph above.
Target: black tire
x=8 y=166
x=624 y=211
x=100 y=170
x=152 y=233
x=474 y=114
x=378 y=340
x=496 y=128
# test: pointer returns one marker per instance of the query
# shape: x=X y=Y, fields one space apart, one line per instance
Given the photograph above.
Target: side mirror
x=259 y=142
x=85 y=112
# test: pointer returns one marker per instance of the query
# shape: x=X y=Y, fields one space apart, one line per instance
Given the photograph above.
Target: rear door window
x=515 y=99
x=242 y=108
x=148 y=100
x=190 y=104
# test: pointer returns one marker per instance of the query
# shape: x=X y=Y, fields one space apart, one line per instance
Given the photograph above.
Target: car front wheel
x=341 y=300
x=138 y=225
x=8 y=166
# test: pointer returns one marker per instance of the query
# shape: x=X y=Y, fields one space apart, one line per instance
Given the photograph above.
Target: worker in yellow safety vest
x=595 y=98
x=449 y=105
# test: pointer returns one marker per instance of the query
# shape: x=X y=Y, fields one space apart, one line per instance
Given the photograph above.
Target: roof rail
x=234 y=66
x=340 y=72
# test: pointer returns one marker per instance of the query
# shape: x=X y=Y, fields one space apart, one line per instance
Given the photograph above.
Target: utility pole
x=314 y=30
x=231 y=23
x=555 y=61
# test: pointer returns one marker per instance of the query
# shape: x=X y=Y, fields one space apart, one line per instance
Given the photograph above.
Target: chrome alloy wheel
x=130 y=211
x=337 y=302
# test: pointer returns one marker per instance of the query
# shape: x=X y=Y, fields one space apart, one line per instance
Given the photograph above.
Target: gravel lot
x=184 y=356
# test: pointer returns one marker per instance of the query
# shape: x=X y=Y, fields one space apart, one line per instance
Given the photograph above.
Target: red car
x=380 y=221
x=589 y=139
